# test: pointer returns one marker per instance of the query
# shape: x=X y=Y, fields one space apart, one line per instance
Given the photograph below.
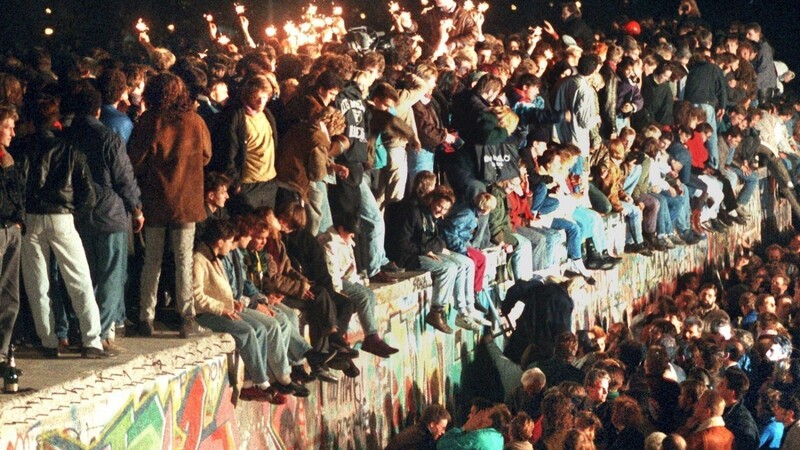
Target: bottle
x=11 y=378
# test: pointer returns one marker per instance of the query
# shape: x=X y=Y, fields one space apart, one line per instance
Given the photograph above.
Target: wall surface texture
x=187 y=404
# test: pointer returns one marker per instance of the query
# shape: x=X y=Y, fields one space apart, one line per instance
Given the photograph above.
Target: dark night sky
x=98 y=21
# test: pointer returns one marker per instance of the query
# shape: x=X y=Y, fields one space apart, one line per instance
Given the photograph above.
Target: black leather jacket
x=57 y=177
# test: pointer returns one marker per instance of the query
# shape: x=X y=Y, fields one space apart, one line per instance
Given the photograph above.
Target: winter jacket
x=430 y=131
x=499 y=221
x=303 y=157
x=57 y=177
x=657 y=100
x=458 y=228
x=168 y=155
x=350 y=102
x=481 y=439
x=413 y=233
x=230 y=142
x=115 y=186
x=608 y=100
x=706 y=84
x=407 y=98
x=211 y=289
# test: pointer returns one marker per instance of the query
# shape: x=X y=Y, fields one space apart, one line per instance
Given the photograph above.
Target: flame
x=48 y=31
x=141 y=26
x=171 y=28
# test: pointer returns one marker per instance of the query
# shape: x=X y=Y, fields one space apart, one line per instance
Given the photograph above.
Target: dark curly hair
x=166 y=93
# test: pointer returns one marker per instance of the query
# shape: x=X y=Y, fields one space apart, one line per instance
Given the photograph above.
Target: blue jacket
x=459 y=227
x=770 y=434
x=112 y=174
x=117 y=121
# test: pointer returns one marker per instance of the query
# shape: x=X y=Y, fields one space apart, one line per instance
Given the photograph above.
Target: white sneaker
x=466 y=322
x=479 y=318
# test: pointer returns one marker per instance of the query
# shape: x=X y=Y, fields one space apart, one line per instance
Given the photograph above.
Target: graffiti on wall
x=189 y=411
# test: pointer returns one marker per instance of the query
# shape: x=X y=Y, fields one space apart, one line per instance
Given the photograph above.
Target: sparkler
x=48 y=11
x=483 y=7
x=223 y=40
x=141 y=26
x=337 y=10
x=171 y=28
x=312 y=10
x=468 y=5
x=239 y=8
x=209 y=17
x=394 y=7
x=48 y=31
x=271 y=31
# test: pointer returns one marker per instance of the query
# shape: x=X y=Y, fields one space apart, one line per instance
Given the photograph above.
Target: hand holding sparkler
x=141 y=27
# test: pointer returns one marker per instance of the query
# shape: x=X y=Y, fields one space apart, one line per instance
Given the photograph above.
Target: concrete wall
x=181 y=399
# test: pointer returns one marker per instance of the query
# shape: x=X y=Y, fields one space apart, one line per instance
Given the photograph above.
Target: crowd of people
x=259 y=180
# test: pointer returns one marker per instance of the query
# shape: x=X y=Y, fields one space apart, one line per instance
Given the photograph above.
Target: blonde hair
x=485 y=201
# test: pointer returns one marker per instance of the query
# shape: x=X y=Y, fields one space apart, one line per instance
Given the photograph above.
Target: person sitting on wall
x=258 y=337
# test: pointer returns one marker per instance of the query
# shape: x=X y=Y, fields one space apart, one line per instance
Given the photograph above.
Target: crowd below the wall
x=264 y=187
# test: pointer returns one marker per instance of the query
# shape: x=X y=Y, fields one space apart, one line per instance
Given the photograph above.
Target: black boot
x=593 y=260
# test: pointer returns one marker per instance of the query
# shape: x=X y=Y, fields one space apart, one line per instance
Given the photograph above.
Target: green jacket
x=499 y=221
x=483 y=439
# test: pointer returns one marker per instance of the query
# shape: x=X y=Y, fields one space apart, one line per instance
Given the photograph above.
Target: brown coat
x=168 y=157
x=303 y=157
x=611 y=185
x=714 y=438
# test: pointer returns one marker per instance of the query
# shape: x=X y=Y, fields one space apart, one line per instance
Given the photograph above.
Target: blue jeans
x=259 y=340
x=417 y=162
x=630 y=182
x=663 y=219
x=574 y=239
x=749 y=184
x=633 y=215
x=711 y=144
x=541 y=201
x=363 y=300
x=372 y=224
x=443 y=274
x=290 y=327
x=678 y=209
x=55 y=234
x=182 y=239
x=318 y=209
x=522 y=257
x=107 y=254
x=464 y=286
x=592 y=226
